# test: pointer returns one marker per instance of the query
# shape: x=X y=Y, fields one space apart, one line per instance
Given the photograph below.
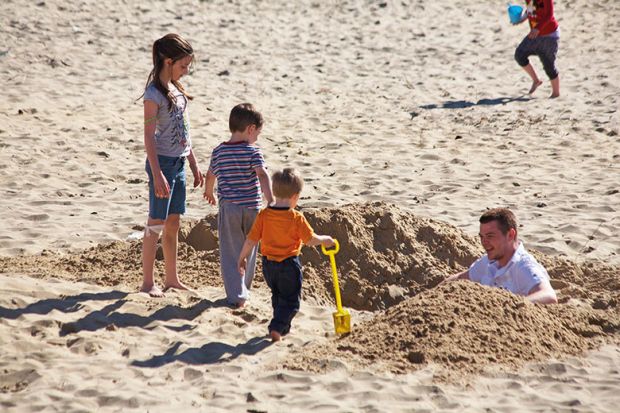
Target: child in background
x=167 y=143
x=239 y=169
x=281 y=231
x=542 y=41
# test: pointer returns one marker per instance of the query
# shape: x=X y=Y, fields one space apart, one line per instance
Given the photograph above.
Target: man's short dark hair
x=242 y=116
x=286 y=183
x=505 y=219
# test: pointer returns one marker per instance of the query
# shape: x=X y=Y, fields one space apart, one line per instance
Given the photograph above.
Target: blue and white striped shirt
x=234 y=165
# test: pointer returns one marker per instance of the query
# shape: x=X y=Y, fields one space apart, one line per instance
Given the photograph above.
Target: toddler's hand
x=328 y=241
x=241 y=266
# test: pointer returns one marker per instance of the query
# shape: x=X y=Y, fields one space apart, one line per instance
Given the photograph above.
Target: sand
x=406 y=120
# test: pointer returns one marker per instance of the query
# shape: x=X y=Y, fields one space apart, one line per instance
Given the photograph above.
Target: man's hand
x=460 y=276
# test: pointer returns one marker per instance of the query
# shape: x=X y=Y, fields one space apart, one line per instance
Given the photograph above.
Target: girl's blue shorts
x=174 y=171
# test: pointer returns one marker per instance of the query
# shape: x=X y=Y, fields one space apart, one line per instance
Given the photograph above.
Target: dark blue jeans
x=284 y=279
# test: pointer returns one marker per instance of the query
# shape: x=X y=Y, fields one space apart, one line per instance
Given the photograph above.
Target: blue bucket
x=515 y=12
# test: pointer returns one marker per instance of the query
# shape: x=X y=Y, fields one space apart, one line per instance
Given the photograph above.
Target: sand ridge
x=391 y=263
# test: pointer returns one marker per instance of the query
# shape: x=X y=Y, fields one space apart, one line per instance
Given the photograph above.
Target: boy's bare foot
x=175 y=285
x=152 y=290
x=535 y=85
x=241 y=304
x=275 y=336
x=554 y=95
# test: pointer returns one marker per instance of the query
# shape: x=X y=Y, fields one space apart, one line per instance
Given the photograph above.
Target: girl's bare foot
x=275 y=336
x=554 y=95
x=535 y=85
x=152 y=290
x=175 y=285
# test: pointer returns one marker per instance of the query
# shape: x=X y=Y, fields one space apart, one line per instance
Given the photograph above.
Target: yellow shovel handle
x=332 y=261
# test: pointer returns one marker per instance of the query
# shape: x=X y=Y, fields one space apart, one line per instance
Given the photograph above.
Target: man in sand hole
x=507 y=264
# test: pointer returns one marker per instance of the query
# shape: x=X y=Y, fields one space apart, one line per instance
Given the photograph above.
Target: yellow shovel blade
x=342 y=322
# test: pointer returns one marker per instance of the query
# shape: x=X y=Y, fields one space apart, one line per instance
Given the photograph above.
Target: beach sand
x=407 y=121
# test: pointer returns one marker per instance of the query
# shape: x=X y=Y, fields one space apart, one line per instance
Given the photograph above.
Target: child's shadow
x=462 y=104
x=107 y=317
x=66 y=305
x=210 y=353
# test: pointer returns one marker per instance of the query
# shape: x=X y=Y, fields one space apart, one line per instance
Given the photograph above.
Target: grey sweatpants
x=234 y=223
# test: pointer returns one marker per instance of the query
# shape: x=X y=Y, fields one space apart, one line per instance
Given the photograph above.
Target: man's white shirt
x=519 y=276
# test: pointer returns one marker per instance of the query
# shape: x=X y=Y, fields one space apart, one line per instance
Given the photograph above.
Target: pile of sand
x=391 y=262
x=464 y=327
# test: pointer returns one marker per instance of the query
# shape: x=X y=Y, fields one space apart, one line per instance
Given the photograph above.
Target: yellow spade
x=342 y=318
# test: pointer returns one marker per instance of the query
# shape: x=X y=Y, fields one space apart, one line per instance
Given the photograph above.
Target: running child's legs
x=522 y=54
x=546 y=49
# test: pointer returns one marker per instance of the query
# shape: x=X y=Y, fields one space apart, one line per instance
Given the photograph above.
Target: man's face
x=496 y=244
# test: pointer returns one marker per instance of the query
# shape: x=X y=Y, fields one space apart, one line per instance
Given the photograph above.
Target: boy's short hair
x=242 y=116
x=505 y=218
x=286 y=183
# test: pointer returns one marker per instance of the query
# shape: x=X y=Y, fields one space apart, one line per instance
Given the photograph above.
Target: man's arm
x=460 y=276
x=542 y=293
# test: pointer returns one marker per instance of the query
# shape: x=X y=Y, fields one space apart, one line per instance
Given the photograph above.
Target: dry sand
x=418 y=106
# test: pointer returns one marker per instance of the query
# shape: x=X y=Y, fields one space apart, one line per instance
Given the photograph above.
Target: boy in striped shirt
x=238 y=167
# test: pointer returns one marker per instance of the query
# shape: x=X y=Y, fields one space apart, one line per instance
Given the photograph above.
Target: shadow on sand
x=64 y=304
x=107 y=316
x=210 y=353
x=462 y=104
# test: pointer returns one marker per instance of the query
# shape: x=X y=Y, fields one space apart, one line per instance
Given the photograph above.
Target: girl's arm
x=162 y=189
x=199 y=178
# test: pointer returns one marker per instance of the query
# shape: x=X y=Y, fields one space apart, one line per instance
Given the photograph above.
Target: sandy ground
x=419 y=106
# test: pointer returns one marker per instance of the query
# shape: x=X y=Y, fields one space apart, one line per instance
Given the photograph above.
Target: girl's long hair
x=171 y=46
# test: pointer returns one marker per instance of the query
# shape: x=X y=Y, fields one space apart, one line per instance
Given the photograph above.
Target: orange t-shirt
x=281 y=232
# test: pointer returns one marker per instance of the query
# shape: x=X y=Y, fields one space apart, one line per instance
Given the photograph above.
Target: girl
x=167 y=143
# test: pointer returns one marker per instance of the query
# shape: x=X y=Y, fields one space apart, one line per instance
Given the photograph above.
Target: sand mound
x=387 y=254
x=464 y=327
x=391 y=260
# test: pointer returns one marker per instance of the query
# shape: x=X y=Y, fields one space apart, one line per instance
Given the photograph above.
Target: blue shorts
x=174 y=171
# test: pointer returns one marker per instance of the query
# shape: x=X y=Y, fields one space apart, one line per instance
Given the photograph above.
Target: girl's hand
x=160 y=184
x=199 y=178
